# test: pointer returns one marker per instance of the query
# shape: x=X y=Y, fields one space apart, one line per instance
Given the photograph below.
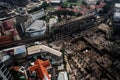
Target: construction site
x=88 y=55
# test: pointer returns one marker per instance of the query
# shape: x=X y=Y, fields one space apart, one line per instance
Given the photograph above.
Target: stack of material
x=80 y=45
x=105 y=28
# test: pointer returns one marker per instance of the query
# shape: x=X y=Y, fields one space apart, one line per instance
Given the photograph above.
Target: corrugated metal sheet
x=38 y=14
x=37 y=28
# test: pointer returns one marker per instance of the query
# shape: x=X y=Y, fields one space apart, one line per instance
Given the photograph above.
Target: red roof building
x=8 y=31
x=5 y=39
x=41 y=69
x=8 y=25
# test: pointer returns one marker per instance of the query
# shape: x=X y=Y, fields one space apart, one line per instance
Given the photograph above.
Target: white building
x=43 y=48
x=53 y=21
x=116 y=16
x=21 y=11
x=91 y=2
x=117 y=12
x=55 y=1
x=62 y=76
x=37 y=28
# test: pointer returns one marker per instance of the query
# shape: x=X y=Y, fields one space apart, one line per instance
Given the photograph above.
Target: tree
x=64 y=5
x=65 y=12
x=44 y=5
x=71 y=5
x=84 y=3
x=98 y=3
x=79 y=14
x=106 y=8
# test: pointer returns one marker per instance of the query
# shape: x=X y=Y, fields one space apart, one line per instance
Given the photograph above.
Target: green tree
x=98 y=3
x=84 y=3
x=79 y=14
x=44 y=6
x=64 y=5
x=71 y=5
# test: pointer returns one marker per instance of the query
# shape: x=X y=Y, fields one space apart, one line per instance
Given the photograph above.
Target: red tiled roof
x=14 y=32
x=8 y=25
x=6 y=39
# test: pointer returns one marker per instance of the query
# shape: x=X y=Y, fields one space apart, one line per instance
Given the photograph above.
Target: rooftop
x=55 y=1
x=117 y=4
x=37 y=25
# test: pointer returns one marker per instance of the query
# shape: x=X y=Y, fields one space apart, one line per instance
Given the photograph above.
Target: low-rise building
x=7 y=29
x=22 y=11
x=53 y=21
x=91 y=2
x=55 y=1
x=62 y=75
x=18 y=52
x=38 y=14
